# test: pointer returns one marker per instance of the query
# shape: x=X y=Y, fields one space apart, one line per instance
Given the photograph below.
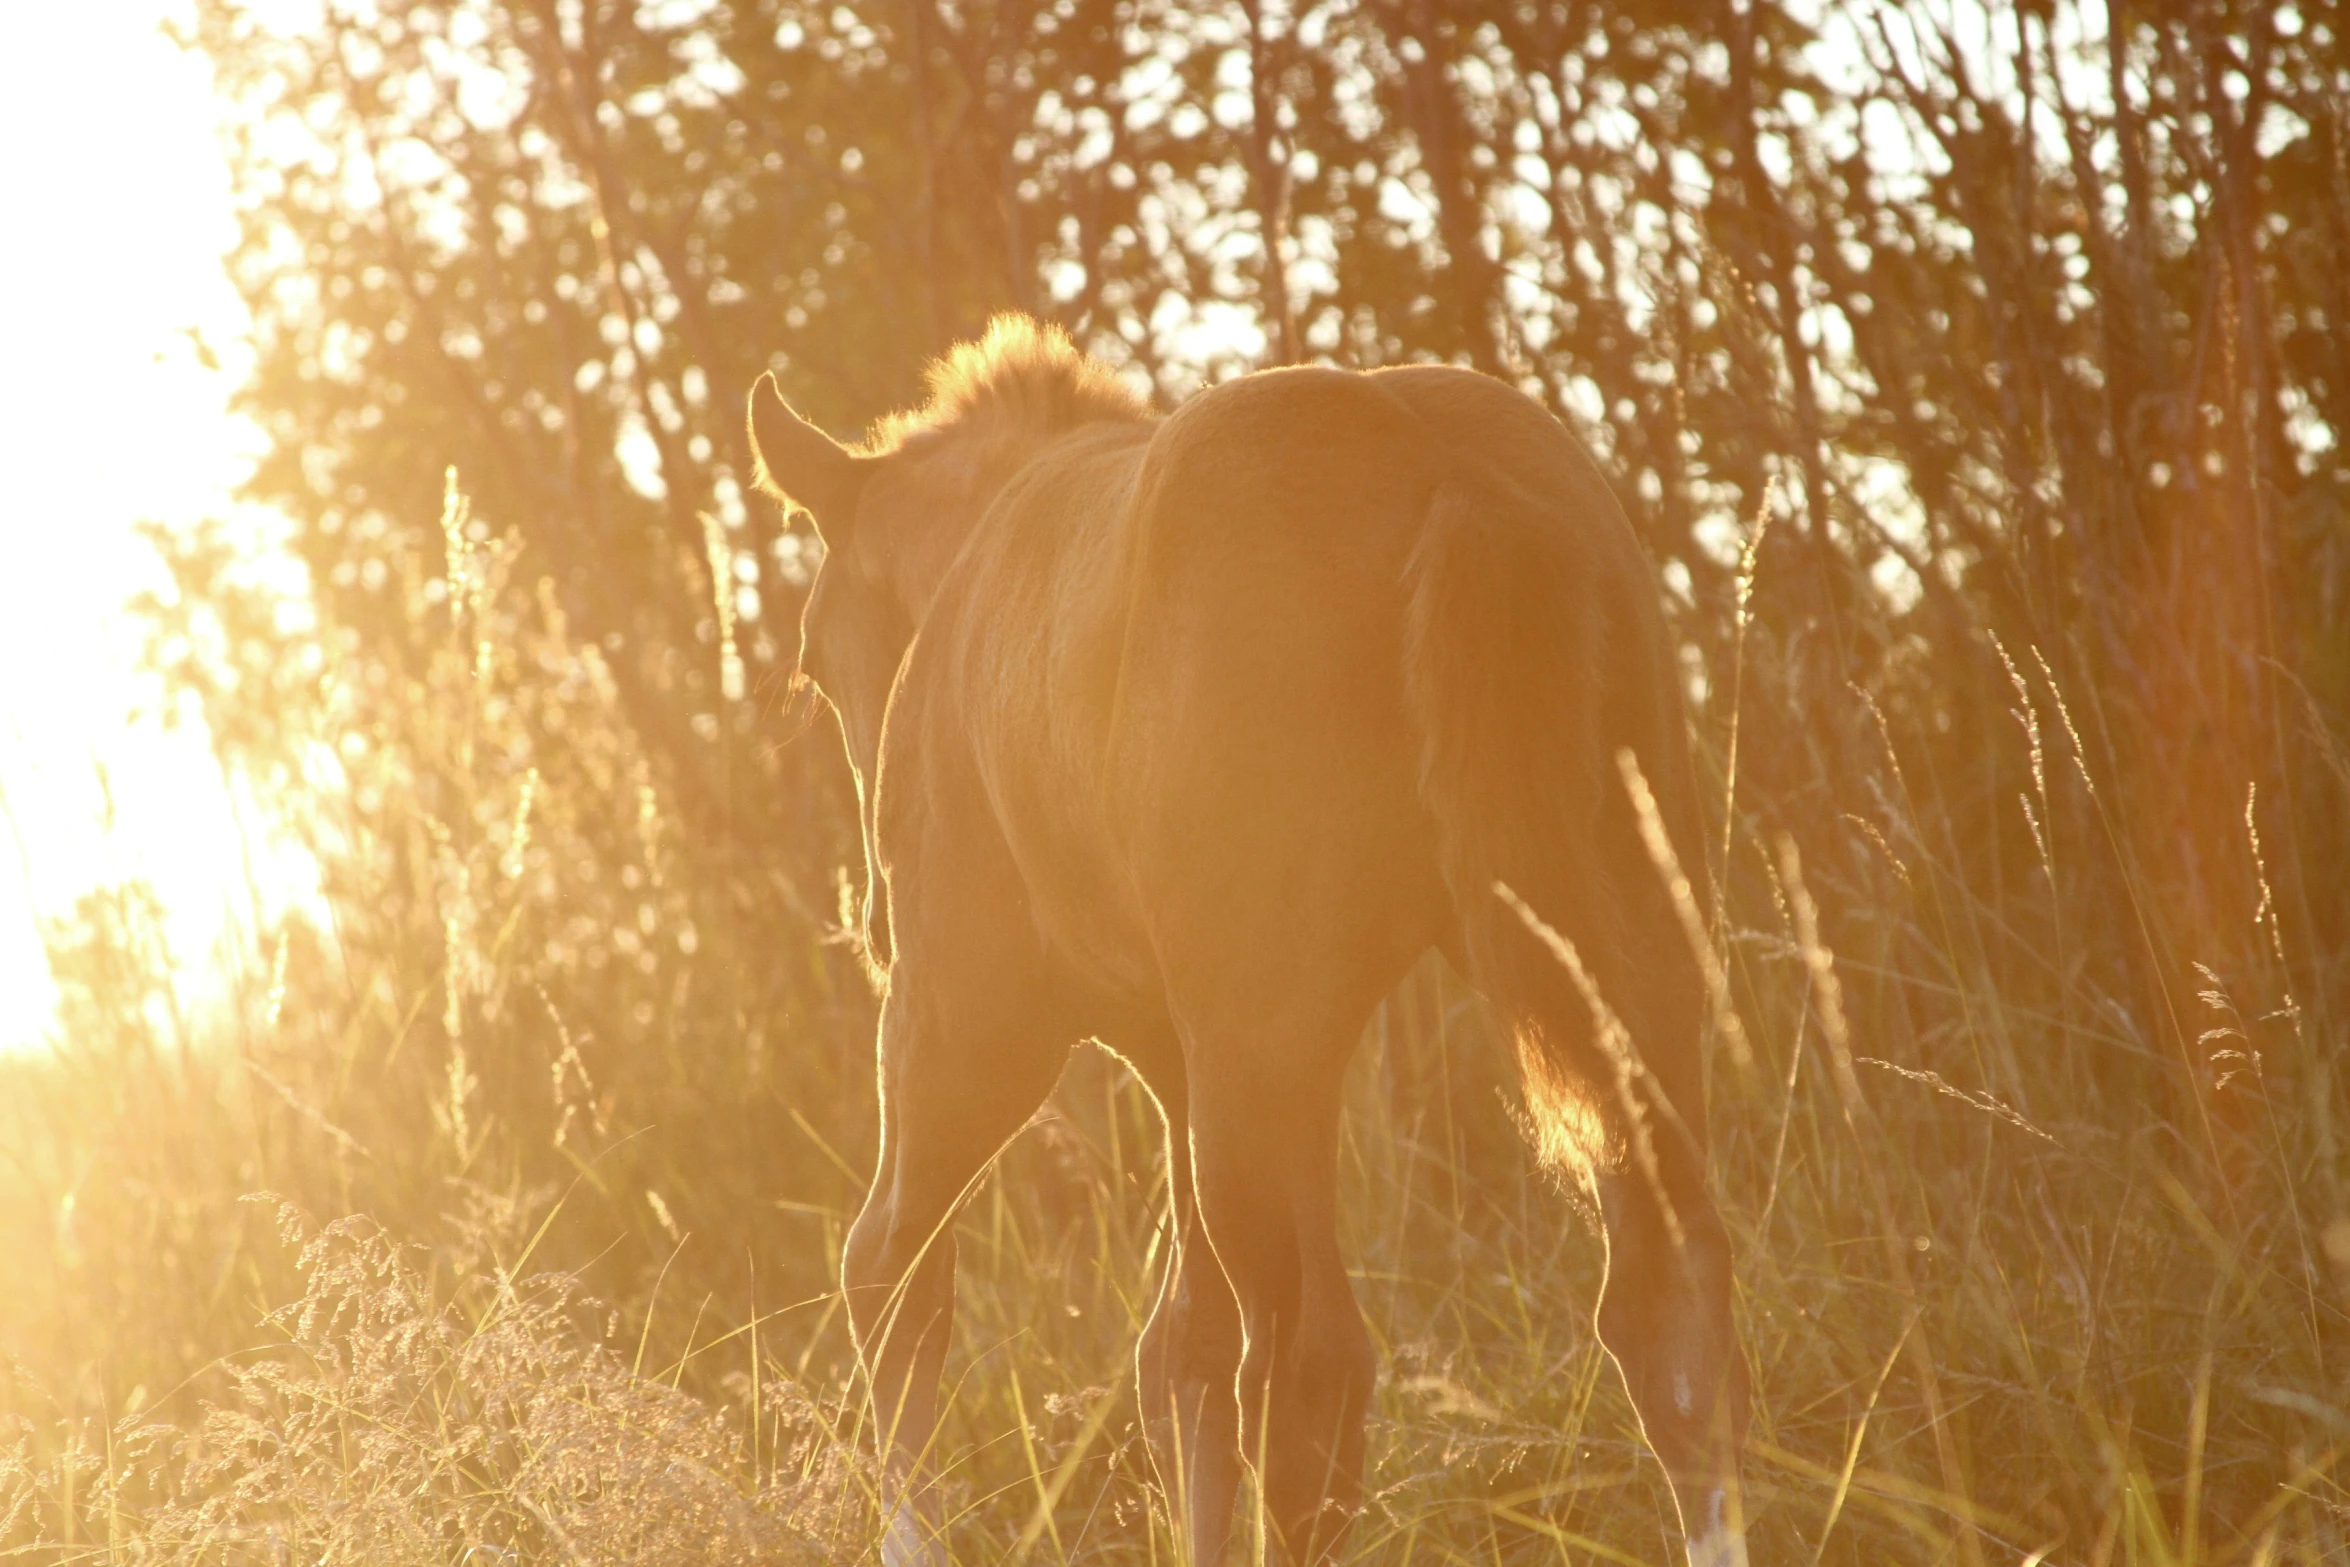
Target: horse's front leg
x=956 y=1083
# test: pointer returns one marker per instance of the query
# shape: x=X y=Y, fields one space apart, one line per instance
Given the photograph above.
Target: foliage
x=399 y=1426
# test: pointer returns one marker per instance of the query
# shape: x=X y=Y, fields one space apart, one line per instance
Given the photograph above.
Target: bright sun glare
x=118 y=209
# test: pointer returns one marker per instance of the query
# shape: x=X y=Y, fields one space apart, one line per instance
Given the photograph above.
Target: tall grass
x=2032 y=1265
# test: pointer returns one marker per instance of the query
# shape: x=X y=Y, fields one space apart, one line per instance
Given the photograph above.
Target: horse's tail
x=1508 y=678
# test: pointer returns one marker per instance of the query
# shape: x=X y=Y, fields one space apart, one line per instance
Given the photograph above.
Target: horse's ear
x=801 y=464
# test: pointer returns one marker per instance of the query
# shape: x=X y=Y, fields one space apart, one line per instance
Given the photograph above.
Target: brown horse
x=1190 y=736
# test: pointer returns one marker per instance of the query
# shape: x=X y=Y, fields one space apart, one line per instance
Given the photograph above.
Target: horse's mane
x=1024 y=377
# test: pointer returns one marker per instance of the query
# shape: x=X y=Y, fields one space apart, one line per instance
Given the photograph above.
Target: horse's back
x=1176 y=665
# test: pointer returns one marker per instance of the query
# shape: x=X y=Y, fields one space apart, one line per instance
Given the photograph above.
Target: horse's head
x=855 y=624
x=893 y=513
x=891 y=516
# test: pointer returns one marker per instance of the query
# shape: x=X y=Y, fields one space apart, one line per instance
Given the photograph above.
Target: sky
x=117 y=210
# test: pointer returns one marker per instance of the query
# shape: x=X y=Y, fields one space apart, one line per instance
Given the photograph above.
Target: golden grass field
x=2043 y=1248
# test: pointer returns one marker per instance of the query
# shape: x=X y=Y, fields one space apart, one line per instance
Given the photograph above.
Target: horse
x=1189 y=735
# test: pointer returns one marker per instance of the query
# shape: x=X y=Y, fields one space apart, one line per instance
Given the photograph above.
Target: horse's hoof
x=1717 y=1542
x=909 y=1542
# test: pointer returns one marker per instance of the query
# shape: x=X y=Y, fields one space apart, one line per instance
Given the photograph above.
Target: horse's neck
x=920 y=564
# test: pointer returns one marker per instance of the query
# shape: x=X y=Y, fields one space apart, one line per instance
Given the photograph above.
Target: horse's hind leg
x=1189 y=1352
x=955 y=1085
x=1264 y=1124
x=1664 y=1311
x=1664 y=1316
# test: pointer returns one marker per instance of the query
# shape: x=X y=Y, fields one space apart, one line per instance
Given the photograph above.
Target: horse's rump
x=1380 y=651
